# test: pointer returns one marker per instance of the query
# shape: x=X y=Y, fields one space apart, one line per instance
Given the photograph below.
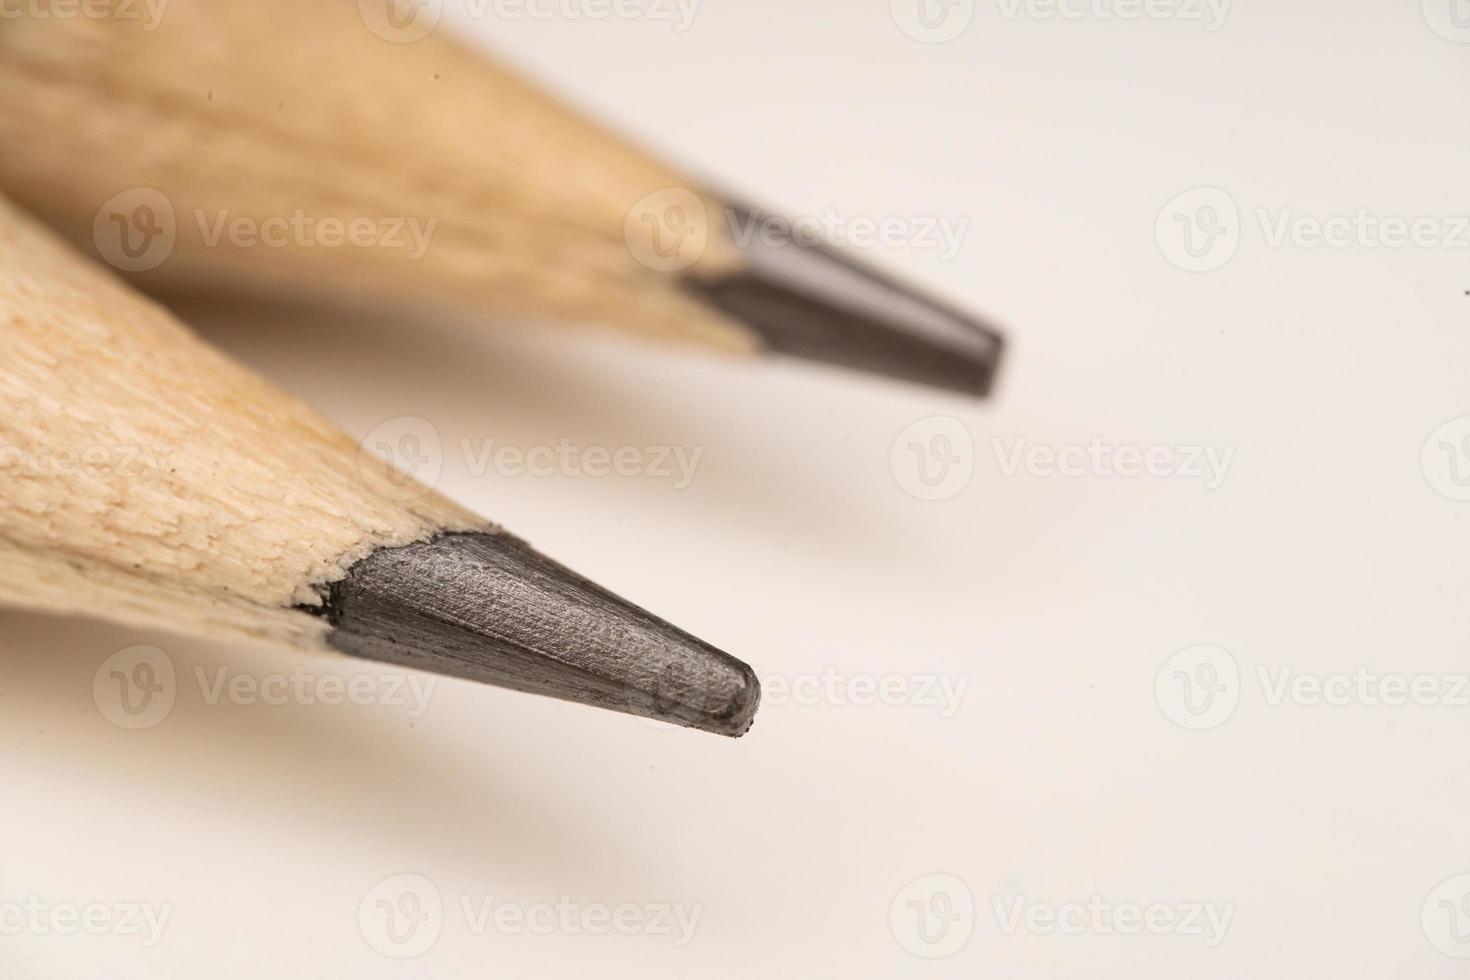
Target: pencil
x=148 y=479
x=209 y=143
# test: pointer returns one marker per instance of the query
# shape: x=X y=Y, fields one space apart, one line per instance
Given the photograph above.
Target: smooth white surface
x=1055 y=600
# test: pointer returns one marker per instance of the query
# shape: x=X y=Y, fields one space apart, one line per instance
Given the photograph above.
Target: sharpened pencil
x=148 y=479
x=230 y=114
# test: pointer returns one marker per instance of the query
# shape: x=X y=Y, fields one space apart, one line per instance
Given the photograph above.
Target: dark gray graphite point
x=489 y=608
x=808 y=300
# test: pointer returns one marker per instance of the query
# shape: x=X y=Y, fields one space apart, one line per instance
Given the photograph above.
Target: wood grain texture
x=261 y=109
x=249 y=135
x=145 y=477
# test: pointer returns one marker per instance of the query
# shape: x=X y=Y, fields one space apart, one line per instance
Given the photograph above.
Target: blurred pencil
x=148 y=479
x=155 y=141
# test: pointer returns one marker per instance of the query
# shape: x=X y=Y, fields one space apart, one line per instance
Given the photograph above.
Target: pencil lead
x=807 y=300
x=489 y=608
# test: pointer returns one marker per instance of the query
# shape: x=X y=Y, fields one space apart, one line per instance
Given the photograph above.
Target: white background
x=1055 y=600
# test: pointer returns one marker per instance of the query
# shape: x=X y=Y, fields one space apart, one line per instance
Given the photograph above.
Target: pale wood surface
x=266 y=108
x=148 y=478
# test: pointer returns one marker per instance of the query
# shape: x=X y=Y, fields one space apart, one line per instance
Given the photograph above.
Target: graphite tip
x=808 y=300
x=489 y=608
